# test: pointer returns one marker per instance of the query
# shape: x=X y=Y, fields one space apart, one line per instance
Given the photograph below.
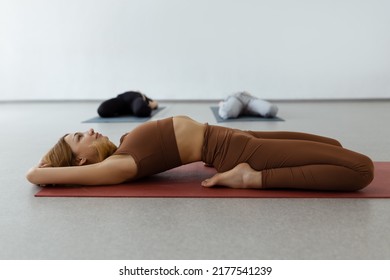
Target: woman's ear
x=80 y=161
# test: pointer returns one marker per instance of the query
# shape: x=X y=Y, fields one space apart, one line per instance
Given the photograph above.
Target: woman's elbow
x=31 y=176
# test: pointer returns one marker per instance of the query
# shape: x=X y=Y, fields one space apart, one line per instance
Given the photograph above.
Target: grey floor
x=178 y=228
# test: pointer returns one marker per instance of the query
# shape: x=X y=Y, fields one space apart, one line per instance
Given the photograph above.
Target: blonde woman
x=243 y=159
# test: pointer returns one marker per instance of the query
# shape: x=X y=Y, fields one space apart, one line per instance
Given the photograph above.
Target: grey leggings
x=243 y=103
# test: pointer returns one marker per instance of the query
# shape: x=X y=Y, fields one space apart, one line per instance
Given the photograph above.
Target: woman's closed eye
x=78 y=136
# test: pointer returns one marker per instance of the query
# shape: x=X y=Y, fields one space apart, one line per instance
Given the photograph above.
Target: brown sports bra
x=153 y=147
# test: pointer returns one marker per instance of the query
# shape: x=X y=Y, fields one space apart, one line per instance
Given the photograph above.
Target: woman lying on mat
x=243 y=103
x=244 y=159
x=130 y=103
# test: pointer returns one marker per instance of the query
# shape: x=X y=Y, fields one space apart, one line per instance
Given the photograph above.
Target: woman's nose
x=91 y=131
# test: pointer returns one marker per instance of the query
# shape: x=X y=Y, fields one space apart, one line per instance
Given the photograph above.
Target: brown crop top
x=153 y=147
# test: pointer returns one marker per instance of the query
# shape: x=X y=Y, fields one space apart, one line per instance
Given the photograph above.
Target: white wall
x=194 y=49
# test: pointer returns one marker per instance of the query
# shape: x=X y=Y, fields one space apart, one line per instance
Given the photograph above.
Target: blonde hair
x=61 y=155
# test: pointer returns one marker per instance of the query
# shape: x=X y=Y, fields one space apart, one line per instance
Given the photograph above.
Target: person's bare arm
x=115 y=170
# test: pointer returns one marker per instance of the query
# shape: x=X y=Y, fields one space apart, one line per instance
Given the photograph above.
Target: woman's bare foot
x=241 y=176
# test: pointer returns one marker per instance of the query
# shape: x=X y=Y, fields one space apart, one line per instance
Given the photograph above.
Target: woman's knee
x=366 y=172
x=230 y=108
x=108 y=108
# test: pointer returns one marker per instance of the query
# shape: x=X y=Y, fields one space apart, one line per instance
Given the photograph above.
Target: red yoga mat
x=185 y=181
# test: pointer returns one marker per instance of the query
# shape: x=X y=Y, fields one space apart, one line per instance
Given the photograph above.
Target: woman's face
x=82 y=145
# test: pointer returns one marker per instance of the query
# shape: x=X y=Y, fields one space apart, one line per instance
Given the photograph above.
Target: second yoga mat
x=123 y=119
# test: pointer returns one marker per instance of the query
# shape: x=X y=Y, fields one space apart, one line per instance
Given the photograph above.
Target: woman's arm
x=114 y=170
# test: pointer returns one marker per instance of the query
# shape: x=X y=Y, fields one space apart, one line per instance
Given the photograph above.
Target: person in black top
x=128 y=103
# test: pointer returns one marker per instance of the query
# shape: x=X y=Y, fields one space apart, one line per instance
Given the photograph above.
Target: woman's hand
x=43 y=164
x=153 y=104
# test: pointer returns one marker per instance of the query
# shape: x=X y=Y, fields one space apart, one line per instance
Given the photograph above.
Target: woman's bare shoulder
x=124 y=166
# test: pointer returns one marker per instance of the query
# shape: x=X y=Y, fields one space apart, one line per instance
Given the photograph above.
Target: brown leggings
x=288 y=159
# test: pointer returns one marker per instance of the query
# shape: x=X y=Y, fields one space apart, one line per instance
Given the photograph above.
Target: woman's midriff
x=189 y=137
